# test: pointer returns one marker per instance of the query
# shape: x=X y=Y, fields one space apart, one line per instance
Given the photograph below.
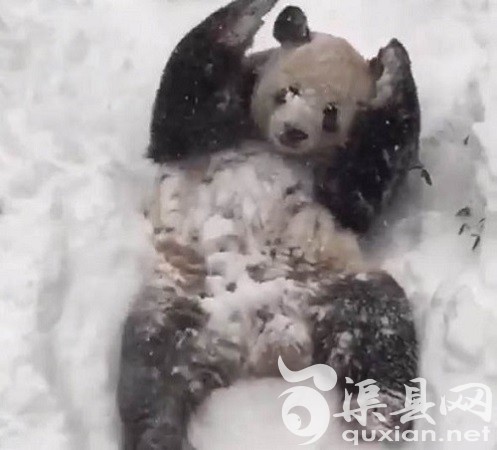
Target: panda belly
x=242 y=232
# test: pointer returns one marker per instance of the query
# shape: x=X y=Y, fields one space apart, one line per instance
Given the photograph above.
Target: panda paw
x=278 y=334
x=313 y=236
x=392 y=70
x=238 y=22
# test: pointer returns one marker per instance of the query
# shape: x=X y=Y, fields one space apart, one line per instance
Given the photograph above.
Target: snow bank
x=76 y=89
x=77 y=83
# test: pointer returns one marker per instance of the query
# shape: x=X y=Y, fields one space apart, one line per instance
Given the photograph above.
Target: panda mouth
x=292 y=137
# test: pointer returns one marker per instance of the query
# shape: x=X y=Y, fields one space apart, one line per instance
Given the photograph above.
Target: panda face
x=307 y=96
x=302 y=122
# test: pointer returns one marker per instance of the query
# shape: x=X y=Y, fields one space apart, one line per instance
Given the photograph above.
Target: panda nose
x=292 y=136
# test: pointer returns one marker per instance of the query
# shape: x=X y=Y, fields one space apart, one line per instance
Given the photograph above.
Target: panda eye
x=280 y=97
x=294 y=90
x=330 y=118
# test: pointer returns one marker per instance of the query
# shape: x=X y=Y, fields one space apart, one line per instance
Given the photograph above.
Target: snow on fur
x=78 y=81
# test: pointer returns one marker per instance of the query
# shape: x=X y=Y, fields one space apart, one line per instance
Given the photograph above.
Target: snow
x=77 y=83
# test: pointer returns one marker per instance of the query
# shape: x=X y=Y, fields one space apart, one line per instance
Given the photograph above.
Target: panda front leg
x=382 y=146
x=170 y=363
x=202 y=103
x=364 y=329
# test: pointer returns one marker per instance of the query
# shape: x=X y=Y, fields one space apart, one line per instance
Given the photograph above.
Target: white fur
x=250 y=201
x=328 y=69
x=240 y=227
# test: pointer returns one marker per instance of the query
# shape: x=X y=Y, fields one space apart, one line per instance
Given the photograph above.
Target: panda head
x=308 y=93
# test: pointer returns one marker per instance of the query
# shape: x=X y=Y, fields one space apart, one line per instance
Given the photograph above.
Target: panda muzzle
x=292 y=136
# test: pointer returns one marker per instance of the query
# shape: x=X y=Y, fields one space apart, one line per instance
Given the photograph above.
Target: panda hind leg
x=364 y=329
x=169 y=365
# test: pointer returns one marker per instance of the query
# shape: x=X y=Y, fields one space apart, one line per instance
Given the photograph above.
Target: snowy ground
x=77 y=80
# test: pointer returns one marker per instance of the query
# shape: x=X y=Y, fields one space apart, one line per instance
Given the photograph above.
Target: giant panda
x=272 y=166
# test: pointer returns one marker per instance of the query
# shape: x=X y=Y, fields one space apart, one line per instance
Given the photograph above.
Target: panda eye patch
x=280 y=97
x=330 y=118
x=294 y=90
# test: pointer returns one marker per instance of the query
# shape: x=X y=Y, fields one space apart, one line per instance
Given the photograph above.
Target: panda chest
x=248 y=215
x=235 y=202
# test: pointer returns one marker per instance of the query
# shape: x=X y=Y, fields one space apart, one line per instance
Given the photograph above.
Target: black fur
x=170 y=362
x=291 y=27
x=383 y=146
x=165 y=374
x=202 y=103
x=376 y=314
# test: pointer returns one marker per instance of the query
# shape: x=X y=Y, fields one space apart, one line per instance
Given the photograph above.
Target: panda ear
x=291 y=27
